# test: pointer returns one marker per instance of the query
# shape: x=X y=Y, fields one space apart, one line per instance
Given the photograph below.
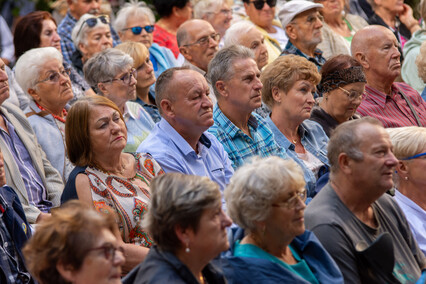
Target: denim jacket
x=315 y=141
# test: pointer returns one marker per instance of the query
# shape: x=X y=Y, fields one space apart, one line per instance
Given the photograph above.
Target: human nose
x=56 y=36
x=207 y=102
x=300 y=205
x=226 y=221
x=391 y=161
x=119 y=258
x=212 y=42
x=95 y=5
x=3 y=75
x=258 y=84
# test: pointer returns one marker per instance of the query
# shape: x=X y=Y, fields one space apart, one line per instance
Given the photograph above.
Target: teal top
x=301 y=268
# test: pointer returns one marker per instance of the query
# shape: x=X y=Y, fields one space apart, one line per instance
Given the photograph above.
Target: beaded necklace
x=61 y=119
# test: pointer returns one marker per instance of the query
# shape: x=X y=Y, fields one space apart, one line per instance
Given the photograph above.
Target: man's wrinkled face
x=308 y=27
x=80 y=7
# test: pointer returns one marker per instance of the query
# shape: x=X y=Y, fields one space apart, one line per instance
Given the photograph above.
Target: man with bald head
x=179 y=142
x=395 y=104
x=198 y=43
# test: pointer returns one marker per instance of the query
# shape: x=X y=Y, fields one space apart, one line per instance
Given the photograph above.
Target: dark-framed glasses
x=126 y=78
x=109 y=250
x=91 y=22
x=293 y=201
x=205 y=40
x=138 y=29
x=352 y=95
x=421 y=155
x=54 y=76
x=258 y=4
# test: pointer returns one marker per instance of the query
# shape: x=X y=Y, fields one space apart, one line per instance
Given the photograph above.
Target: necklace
x=61 y=119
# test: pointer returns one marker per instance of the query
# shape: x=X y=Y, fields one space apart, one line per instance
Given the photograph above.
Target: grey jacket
x=50 y=176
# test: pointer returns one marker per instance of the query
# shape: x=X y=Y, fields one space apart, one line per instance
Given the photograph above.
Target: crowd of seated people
x=202 y=141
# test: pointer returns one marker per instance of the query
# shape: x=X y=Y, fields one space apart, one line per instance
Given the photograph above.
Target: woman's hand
x=406 y=17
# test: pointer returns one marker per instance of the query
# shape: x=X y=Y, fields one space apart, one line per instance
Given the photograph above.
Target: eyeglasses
x=416 y=156
x=258 y=4
x=205 y=40
x=54 y=77
x=293 y=201
x=352 y=95
x=126 y=78
x=91 y=22
x=138 y=29
x=109 y=250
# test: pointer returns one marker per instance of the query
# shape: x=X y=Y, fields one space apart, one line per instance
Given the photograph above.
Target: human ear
x=34 y=95
x=66 y=271
x=221 y=88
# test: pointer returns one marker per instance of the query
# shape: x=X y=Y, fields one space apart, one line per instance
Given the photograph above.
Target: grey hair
x=221 y=66
x=257 y=185
x=105 y=65
x=346 y=139
x=80 y=30
x=236 y=31
x=205 y=7
x=178 y=200
x=29 y=65
x=132 y=9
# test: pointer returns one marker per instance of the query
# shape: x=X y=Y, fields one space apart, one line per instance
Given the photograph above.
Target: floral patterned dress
x=128 y=199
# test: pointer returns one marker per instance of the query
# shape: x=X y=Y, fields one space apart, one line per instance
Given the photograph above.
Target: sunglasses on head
x=91 y=22
x=137 y=30
x=258 y=4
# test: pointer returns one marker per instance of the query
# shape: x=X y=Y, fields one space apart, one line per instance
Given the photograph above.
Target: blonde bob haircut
x=407 y=141
x=257 y=185
x=77 y=134
x=283 y=73
x=136 y=50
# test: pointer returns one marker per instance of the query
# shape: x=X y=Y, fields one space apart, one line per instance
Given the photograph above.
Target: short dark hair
x=165 y=7
x=337 y=63
x=28 y=30
x=77 y=134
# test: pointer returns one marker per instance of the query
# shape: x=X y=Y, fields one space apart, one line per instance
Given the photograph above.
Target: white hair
x=132 y=9
x=29 y=65
x=205 y=7
x=236 y=31
x=80 y=30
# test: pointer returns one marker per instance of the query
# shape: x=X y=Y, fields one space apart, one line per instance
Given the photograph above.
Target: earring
x=187 y=250
x=406 y=178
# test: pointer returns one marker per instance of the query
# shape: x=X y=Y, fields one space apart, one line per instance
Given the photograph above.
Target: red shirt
x=393 y=110
x=166 y=39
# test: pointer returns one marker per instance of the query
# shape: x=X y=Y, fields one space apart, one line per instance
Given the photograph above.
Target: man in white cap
x=302 y=23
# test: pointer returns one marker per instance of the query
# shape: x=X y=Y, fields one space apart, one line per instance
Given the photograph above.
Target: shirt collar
x=378 y=97
x=230 y=127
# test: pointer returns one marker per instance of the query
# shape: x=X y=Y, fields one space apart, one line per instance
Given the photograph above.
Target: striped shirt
x=240 y=146
x=393 y=110
x=34 y=186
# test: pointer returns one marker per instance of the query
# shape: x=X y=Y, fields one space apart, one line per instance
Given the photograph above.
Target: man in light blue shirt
x=179 y=142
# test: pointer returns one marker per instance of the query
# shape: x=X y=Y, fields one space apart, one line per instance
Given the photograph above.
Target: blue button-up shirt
x=313 y=139
x=36 y=191
x=240 y=146
x=67 y=45
x=174 y=154
x=151 y=109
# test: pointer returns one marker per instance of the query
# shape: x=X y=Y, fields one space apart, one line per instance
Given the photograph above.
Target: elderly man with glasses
x=303 y=23
x=198 y=43
x=262 y=14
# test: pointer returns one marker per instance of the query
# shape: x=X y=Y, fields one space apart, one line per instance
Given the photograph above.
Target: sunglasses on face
x=137 y=30
x=258 y=4
x=91 y=22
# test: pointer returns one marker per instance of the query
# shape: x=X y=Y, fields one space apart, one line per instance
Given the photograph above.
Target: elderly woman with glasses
x=288 y=87
x=188 y=225
x=135 y=22
x=145 y=96
x=409 y=147
x=91 y=34
x=274 y=247
x=112 y=74
x=38 y=29
x=341 y=87
x=109 y=178
x=41 y=74
x=76 y=245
